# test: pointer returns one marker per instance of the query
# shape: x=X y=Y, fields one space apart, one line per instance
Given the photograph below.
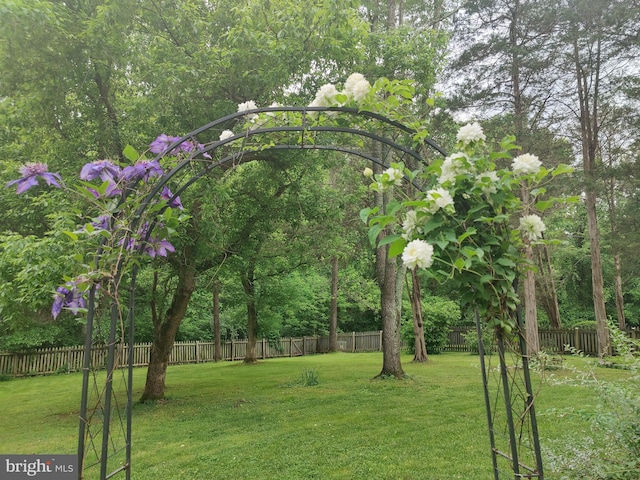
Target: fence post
x=304 y=346
x=353 y=342
x=380 y=341
x=232 y=352
x=576 y=339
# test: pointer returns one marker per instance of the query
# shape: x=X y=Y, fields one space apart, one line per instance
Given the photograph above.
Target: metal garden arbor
x=105 y=431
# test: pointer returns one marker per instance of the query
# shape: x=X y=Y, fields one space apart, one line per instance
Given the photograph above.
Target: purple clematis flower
x=162 y=142
x=206 y=155
x=30 y=172
x=142 y=170
x=69 y=297
x=101 y=222
x=105 y=169
x=111 y=191
x=167 y=195
x=157 y=247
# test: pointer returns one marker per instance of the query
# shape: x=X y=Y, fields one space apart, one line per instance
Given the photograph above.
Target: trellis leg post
x=108 y=391
x=487 y=400
x=515 y=461
x=131 y=358
x=530 y=408
x=86 y=368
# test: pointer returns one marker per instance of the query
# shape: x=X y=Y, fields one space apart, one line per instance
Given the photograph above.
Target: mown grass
x=229 y=420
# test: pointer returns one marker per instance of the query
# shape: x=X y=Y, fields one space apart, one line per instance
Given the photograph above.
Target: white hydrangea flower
x=525 y=164
x=471 y=132
x=410 y=224
x=326 y=96
x=487 y=182
x=440 y=198
x=532 y=227
x=226 y=134
x=418 y=254
x=454 y=165
x=360 y=90
x=351 y=82
x=248 y=105
x=393 y=175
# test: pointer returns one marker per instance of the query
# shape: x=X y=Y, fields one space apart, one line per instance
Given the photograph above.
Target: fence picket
x=70 y=359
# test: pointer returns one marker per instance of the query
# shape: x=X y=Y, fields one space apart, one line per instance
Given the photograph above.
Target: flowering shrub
x=114 y=195
x=462 y=228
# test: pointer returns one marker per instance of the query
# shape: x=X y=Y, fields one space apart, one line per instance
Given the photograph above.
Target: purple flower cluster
x=163 y=142
x=30 y=173
x=158 y=247
x=69 y=297
x=154 y=246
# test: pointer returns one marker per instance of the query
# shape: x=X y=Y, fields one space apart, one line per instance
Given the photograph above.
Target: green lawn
x=232 y=421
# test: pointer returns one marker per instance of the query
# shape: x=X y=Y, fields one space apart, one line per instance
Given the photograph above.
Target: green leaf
x=388 y=239
x=505 y=262
x=373 y=234
x=71 y=235
x=497 y=155
x=397 y=247
x=365 y=212
x=560 y=169
x=393 y=207
x=468 y=233
x=543 y=205
x=130 y=153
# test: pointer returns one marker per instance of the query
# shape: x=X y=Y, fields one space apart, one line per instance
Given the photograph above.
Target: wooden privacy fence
x=552 y=340
x=70 y=359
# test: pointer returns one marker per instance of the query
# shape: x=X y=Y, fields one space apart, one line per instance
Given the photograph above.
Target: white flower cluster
x=411 y=225
x=472 y=132
x=532 y=227
x=526 y=164
x=487 y=182
x=226 y=134
x=439 y=198
x=355 y=88
x=455 y=164
x=246 y=106
x=391 y=177
x=418 y=254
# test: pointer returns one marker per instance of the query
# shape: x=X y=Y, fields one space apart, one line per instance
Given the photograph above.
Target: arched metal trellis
x=105 y=432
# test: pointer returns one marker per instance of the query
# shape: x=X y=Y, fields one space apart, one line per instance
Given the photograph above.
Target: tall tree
x=515 y=54
x=596 y=35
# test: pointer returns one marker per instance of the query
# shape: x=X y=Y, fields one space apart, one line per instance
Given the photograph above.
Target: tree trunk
x=248 y=284
x=386 y=277
x=622 y=324
x=587 y=78
x=391 y=364
x=165 y=331
x=547 y=286
x=613 y=221
x=420 y=347
x=333 y=314
x=217 y=341
x=531 y=311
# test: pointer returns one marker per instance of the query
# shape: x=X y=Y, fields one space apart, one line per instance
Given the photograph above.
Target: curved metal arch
x=197 y=156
